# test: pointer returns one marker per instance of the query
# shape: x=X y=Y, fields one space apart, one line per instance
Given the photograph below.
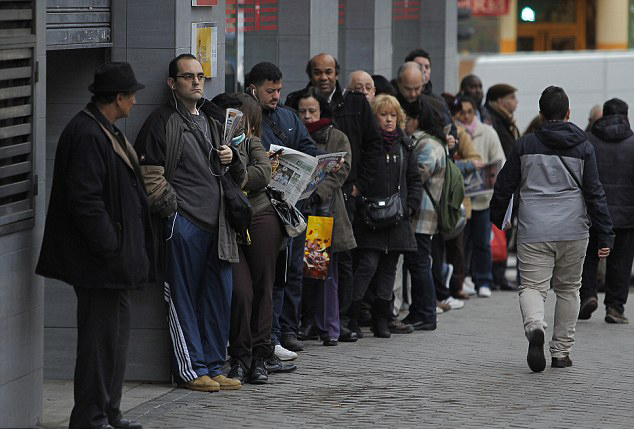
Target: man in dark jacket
x=282 y=127
x=98 y=239
x=182 y=158
x=556 y=172
x=471 y=86
x=501 y=103
x=613 y=142
x=352 y=115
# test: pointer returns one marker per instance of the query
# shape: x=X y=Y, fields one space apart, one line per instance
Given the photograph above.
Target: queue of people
x=158 y=212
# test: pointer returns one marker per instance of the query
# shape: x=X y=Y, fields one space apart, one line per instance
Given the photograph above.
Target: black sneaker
x=535 y=357
x=588 y=305
x=612 y=315
x=347 y=336
x=290 y=342
x=238 y=371
x=274 y=364
x=563 y=362
x=258 y=373
x=397 y=327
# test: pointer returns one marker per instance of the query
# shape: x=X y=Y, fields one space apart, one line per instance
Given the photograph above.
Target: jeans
x=478 y=235
x=423 y=306
x=560 y=262
x=618 y=269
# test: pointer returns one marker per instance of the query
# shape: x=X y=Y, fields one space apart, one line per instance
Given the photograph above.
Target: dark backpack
x=449 y=209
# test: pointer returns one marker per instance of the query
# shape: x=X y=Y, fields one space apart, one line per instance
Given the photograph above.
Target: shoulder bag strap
x=276 y=129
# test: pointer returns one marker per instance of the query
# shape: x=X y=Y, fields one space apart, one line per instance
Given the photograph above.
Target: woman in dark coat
x=253 y=275
x=320 y=300
x=379 y=249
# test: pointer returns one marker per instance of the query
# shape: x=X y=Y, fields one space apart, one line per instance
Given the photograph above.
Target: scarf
x=317 y=125
x=472 y=127
x=389 y=138
x=508 y=117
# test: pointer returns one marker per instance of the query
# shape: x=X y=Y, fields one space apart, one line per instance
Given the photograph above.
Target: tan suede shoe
x=201 y=384
x=227 y=383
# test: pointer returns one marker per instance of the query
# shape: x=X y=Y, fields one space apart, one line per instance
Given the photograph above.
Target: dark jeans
x=617 y=273
x=377 y=265
x=103 y=330
x=454 y=250
x=252 y=299
x=438 y=259
x=423 y=306
x=478 y=238
x=345 y=260
x=287 y=298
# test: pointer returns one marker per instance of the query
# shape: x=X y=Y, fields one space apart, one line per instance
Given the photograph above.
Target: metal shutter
x=72 y=24
x=17 y=76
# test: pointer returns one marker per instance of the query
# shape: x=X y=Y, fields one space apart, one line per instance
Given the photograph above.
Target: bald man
x=362 y=82
x=410 y=81
x=354 y=117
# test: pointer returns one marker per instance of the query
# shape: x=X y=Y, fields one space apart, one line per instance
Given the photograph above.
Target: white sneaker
x=468 y=286
x=284 y=354
x=454 y=303
x=439 y=310
x=484 y=292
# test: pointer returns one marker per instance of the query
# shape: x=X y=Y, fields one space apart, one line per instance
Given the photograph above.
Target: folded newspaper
x=299 y=174
x=232 y=123
x=482 y=180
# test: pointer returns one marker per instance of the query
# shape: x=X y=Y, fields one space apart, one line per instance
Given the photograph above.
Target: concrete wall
x=148 y=37
x=21 y=292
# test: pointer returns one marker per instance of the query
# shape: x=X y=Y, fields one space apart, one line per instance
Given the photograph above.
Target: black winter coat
x=97 y=232
x=613 y=142
x=504 y=128
x=353 y=116
x=399 y=238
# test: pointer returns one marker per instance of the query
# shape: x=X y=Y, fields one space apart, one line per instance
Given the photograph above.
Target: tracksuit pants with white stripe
x=198 y=292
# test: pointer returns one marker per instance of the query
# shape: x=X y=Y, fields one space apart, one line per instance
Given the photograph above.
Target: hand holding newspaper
x=232 y=123
x=299 y=174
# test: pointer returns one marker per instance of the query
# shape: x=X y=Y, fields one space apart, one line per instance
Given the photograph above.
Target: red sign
x=485 y=7
x=251 y=15
x=406 y=10
x=204 y=2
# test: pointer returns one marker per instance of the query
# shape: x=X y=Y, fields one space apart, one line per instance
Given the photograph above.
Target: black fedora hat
x=114 y=77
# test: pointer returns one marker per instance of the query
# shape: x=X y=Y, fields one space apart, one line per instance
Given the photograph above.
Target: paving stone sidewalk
x=470 y=373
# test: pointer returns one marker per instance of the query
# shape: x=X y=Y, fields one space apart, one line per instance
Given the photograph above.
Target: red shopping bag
x=498 y=244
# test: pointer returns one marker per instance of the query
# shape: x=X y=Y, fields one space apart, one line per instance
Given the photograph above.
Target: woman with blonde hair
x=380 y=243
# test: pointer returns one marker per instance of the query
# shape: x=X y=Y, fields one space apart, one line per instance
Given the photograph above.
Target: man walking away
x=613 y=143
x=98 y=239
x=556 y=172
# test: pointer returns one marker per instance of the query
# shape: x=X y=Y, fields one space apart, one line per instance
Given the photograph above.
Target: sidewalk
x=469 y=373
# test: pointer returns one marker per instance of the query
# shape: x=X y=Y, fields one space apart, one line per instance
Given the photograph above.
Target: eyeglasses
x=190 y=76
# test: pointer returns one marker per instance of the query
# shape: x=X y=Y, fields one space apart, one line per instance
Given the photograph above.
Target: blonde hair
x=385 y=101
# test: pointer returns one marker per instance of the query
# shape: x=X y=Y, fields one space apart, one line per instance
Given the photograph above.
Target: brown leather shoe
x=227 y=383
x=201 y=384
x=444 y=307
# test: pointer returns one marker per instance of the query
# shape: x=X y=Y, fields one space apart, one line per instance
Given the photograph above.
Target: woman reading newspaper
x=320 y=302
x=253 y=275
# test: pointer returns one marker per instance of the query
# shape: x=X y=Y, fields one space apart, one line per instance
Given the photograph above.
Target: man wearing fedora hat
x=98 y=239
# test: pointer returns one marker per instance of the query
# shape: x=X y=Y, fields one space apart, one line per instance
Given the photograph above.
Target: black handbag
x=382 y=213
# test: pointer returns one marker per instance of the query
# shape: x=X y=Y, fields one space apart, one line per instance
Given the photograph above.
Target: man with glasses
x=182 y=158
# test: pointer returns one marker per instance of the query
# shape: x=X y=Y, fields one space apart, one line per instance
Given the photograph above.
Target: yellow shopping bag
x=317 y=247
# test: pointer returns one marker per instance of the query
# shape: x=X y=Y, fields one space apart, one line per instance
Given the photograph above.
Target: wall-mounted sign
x=205 y=46
x=204 y=2
x=485 y=7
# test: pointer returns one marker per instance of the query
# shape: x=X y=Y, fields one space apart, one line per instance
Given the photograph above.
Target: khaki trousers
x=559 y=263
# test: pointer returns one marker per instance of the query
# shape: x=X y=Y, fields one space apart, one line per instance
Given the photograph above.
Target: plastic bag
x=318 y=246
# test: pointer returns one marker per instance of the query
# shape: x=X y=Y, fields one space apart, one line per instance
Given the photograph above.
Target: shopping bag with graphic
x=317 y=247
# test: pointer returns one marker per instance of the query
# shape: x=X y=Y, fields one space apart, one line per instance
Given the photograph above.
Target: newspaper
x=232 y=122
x=482 y=180
x=506 y=223
x=299 y=174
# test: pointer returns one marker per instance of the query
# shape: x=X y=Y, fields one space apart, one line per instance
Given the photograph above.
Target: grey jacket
x=552 y=205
